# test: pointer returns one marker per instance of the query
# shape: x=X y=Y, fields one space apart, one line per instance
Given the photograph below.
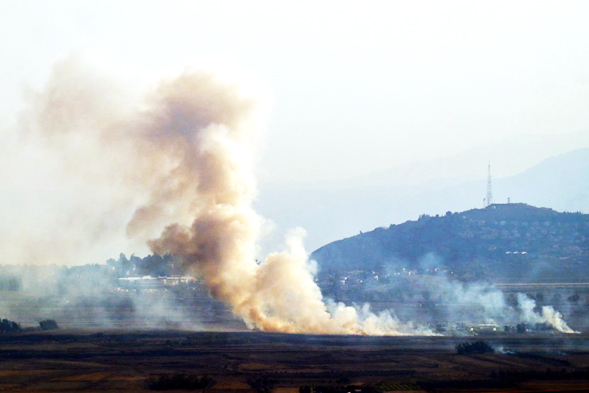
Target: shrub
x=477 y=347
x=48 y=324
x=7 y=326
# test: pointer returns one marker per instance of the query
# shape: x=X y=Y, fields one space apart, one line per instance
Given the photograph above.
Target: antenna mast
x=489 y=188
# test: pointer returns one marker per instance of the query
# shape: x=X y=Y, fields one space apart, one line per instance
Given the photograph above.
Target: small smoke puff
x=386 y=323
x=554 y=319
x=549 y=315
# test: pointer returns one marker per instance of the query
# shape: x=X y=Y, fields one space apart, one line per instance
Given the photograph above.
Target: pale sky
x=353 y=88
x=356 y=86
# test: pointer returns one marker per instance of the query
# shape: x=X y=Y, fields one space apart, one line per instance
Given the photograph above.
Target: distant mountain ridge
x=508 y=157
x=559 y=182
x=503 y=242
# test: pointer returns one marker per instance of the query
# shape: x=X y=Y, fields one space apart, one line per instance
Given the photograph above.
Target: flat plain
x=243 y=362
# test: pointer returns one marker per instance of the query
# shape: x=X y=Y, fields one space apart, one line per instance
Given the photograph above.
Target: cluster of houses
x=491 y=328
x=156 y=283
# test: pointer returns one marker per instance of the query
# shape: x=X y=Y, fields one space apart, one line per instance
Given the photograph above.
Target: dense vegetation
x=504 y=240
x=86 y=278
x=48 y=324
x=477 y=347
x=7 y=326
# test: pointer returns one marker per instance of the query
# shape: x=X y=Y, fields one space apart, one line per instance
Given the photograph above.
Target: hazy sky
x=352 y=87
x=356 y=86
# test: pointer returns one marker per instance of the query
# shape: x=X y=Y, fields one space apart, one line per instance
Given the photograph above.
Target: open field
x=242 y=362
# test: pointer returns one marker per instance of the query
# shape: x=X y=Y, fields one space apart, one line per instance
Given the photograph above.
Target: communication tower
x=489 y=198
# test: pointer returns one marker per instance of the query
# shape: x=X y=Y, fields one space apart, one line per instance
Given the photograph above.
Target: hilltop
x=501 y=243
x=333 y=211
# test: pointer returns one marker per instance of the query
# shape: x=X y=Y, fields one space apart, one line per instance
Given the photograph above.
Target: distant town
x=421 y=269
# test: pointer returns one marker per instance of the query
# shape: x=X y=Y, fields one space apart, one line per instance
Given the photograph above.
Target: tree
x=7 y=326
x=477 y=347
x=48 y=324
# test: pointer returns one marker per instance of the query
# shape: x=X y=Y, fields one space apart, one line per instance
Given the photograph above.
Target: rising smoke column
x=198 y=134
x=170 y=166
x=549 y=315
x=208 y=122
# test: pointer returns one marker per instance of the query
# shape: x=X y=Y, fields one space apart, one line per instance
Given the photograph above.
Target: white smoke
x=175 y=165
x=172 y=166
x=549 y=315
x=479 y=302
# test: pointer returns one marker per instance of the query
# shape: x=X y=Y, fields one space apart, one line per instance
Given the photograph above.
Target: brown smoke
x=177 y=166
x=202 y=127
x=172 y=167
x=214 y=172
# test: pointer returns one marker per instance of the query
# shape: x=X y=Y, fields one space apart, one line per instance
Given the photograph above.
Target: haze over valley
x=296 y=196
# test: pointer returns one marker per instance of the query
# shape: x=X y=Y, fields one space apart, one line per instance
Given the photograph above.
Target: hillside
x=559 y=182
x=503 y=242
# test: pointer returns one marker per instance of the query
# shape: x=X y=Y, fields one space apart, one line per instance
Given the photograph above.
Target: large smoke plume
x=206 y=124
x=171 y=167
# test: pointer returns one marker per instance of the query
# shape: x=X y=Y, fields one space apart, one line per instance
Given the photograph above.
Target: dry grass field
x=244 y=362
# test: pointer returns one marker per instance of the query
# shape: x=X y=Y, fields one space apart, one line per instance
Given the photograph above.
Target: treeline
x=471 y=348
x=497 y=242
x=55 y=279
x=7 y=326
x=151 y=265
